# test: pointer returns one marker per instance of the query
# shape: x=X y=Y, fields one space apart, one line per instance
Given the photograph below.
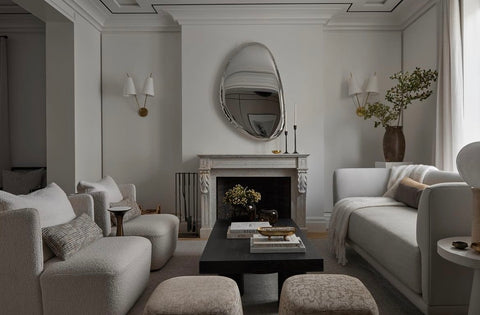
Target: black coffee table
x=232 y=258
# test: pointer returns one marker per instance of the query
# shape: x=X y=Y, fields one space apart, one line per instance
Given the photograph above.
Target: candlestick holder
x=286 y=142
x=295 y=139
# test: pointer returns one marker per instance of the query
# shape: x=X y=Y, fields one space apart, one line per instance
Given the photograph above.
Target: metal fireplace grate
x=186 y=203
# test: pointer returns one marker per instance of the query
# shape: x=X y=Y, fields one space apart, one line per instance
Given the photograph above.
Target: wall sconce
x=129 y=90
x=354 y=90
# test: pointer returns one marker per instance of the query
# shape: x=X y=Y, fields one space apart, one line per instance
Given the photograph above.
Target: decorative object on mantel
x=251 y=93
x=295 y=129
x=286 y=142
x=242 y=200
x=469 y=169
x=410 y=87
x=148 y=90
x=354 y=91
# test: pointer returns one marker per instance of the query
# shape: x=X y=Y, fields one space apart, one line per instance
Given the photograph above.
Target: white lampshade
x=372 y=85
x=129 y=87
x=148 y=86
x=353 y=87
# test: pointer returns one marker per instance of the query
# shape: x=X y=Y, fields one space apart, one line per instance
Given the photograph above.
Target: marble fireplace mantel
x=268 y=165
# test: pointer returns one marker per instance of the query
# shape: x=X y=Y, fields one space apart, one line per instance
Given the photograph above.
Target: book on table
x=244 y=229
x=262 y=244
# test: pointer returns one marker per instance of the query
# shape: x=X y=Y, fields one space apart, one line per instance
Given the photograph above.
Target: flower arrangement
x=241 y=196
x=410 y=87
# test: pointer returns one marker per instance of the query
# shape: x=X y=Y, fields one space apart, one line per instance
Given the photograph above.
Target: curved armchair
x=107 y=277
x=160 y=229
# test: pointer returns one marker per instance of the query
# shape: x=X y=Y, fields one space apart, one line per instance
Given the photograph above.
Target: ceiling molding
x=253 y=14
x=91 y=10
x=134 y=23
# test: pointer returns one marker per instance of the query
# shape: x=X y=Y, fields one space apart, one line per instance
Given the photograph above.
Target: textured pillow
x=106 y=184
x=409 y=192
x=22 y=182
x=66 y=239
x=127 y=202
x=51 y=202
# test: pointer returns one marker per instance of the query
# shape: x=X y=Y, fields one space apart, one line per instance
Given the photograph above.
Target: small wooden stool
x=326 y=294
x=195 y=295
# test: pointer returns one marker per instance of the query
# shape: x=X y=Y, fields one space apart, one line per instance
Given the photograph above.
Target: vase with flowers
x=410 y=87
x=242 y=202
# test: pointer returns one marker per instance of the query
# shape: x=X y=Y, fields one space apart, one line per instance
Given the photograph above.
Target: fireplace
x=259 y=167
x=275 y=193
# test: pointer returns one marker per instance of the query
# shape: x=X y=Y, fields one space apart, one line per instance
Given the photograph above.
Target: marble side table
x=119 y=212
x=464 y=257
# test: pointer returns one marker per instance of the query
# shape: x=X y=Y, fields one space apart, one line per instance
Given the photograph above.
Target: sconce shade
x=372 y=85
x=148 y=86
x=353 y=87
x=129 y=87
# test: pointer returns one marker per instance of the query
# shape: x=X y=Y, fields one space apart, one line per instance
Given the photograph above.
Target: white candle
x=294 y=114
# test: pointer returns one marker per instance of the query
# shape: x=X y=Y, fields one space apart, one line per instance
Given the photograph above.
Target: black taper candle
x=286 y=142
x=295 y=139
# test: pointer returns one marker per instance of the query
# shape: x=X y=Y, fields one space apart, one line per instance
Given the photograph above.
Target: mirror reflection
x=251 y=92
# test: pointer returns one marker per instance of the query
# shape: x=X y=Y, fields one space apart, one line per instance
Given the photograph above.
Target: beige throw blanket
x=338 y=228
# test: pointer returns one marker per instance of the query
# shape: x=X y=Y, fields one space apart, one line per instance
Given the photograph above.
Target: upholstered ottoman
x=195 y=295
x=326 y=294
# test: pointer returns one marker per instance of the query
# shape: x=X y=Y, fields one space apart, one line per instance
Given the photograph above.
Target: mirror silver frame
x=281 y=123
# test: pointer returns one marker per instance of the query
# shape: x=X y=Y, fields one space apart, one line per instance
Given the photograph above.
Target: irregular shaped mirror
x=251 y=92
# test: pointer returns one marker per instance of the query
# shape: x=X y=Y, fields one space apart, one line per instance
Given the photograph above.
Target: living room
x=68 y=61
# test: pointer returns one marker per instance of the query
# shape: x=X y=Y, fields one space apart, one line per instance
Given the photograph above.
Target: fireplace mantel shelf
x=216 y=165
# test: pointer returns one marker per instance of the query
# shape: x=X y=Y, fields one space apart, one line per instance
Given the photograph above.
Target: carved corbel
x=204 y=181
x=302 y=181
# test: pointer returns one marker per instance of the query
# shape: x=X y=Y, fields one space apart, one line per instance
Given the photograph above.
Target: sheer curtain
x=449 y=132
x=5 y=161
x=458 y=96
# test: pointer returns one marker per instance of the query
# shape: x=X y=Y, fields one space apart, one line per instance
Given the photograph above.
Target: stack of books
x=244 y=229
x=276 y=244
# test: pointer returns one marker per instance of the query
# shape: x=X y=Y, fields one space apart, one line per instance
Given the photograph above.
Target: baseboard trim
x=319 y=223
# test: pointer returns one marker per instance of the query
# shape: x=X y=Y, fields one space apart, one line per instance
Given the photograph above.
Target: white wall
x=88 y=106
x=145 y=151
x=26 y=91
x=351 y=141
x=420 y=50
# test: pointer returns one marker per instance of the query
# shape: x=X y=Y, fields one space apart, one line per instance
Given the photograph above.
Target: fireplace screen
x=275 y=194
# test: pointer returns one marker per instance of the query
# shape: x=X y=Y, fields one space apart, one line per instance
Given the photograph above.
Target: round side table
x=119 y=212
x=464 y=257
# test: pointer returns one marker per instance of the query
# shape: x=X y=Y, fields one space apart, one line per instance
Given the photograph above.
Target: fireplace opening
x=275 y=193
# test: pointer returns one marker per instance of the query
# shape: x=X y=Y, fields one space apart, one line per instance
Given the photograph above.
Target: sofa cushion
x=391 y=240
x=51 y=202
x=409 y=192
x=106 y=277
x=106 y=184
x=68 y=238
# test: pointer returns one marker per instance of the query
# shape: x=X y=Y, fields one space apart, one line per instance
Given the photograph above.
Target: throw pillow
x=22 y=182
x=409 y=192
x=51 y=202
x=106 y=184
x=127 y=202
x=68 y=238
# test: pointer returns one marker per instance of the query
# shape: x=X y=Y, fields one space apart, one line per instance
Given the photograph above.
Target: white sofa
x=107 y=277
x=401 y=242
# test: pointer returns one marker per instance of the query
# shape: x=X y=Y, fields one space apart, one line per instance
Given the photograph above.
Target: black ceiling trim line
x=154 y=5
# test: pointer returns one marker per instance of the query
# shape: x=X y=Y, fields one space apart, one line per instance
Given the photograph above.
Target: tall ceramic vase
x=394 y=144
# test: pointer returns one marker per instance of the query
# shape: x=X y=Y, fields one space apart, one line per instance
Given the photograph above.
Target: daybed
x=401 y=242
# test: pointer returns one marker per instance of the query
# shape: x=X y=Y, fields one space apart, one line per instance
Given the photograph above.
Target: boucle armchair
x=107 y=277
x=160 y=229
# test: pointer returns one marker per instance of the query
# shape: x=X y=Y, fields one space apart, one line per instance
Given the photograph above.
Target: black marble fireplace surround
x=275 y=192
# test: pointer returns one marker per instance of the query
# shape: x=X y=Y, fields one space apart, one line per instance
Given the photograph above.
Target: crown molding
x=135 y=23
x=253 y=14
x=91 y=10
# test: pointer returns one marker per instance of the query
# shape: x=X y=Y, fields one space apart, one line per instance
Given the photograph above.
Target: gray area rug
x=261 y=290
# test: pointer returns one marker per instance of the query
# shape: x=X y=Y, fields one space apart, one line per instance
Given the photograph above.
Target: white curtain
x=5 y=161
x=449 y=131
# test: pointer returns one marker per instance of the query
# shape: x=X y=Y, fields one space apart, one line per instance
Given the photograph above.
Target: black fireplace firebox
x=275 y=193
